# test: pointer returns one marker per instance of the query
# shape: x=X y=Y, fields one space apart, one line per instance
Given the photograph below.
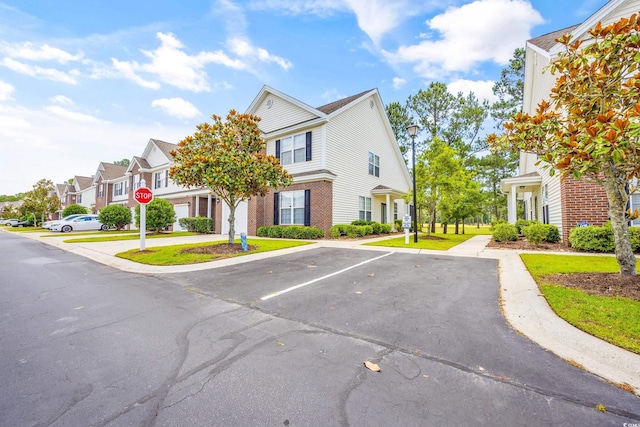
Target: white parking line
x=284 y=291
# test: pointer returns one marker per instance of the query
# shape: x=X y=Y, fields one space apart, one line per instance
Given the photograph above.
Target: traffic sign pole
x=143 y=196
x=143 y=226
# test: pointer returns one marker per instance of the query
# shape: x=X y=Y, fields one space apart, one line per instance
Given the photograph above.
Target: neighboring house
x=153 y=166
x=111 y=185
x=61 y=191
x=548 y=199
x=82 y=192
x=343 y=157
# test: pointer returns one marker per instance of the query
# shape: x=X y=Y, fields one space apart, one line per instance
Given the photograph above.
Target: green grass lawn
x=99 y=233
x=23 y=229
x=445 y=242
x=116 y=236
x=173 y=255
x=612 y=319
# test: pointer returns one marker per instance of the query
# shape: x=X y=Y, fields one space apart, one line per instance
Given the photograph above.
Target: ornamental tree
x=74 y=209
x=228 y=158
x=159 y=214
x=40 y=201
x=117 y=216
x=590 y=128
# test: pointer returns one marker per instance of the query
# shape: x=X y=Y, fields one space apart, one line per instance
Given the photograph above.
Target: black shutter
x=309 y=146
x=276 y=206
x=277 y=149
x=307 y=206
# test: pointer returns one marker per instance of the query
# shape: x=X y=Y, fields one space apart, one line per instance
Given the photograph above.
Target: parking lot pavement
x=440 y=309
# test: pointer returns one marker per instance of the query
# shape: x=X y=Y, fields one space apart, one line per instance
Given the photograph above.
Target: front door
x=383 y=213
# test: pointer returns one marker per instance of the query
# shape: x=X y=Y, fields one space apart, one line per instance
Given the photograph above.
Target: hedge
x=290 y=232
x=600 y=239
x=197 y=224
x=504 y=232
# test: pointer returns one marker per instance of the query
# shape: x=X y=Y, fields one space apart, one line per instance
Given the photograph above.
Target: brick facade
x=260 y=209
x=582 y=201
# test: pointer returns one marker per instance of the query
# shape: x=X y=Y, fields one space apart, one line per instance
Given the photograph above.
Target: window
x=161 y=179
x=395 y=210
x=118 y=189
x=292 y=208
x=126 y=187
x=374 y=165
x=79 y=198
x=634 y=201
x=294 y=149
x=365 y=208
x=136 y=182
x=100 y=190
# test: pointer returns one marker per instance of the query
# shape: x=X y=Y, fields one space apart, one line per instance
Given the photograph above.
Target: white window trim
x=374 y=164
x=298 y=147
x=293 y=196
x=364 y=208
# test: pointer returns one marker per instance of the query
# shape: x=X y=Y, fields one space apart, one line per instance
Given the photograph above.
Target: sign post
x=143 y=196
x=406 y=224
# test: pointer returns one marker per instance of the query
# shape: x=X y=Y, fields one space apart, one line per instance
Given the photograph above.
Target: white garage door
x=182 y=211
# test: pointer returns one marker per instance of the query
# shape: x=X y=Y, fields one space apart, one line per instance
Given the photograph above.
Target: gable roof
x=579 y=31
x=84 y=182
x=110 y=171
x=165 y=147
x=547 y=41
x=336 y=105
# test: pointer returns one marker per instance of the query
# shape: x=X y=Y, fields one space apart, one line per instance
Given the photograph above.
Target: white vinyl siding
x=351 y=135
x=281 y=114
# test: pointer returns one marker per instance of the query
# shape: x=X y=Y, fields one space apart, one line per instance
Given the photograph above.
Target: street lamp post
x=413 y=131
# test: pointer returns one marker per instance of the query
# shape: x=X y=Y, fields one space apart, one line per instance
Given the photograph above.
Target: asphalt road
x=82 y=344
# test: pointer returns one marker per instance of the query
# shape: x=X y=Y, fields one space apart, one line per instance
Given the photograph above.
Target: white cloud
x=40 y=72
x=43 y=52
x=63 y=113
x=484 y=30
x=398 y=82
x=6 y=91
x=62 y=100
x=481 y=88
x=177 y=107
x=331 y=95
x=244 y=49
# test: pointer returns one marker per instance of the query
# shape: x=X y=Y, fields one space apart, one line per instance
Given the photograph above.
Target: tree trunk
x=457 y=226
x=444 y=228
x=433 y=221
x=232 y=222
x=614 y=185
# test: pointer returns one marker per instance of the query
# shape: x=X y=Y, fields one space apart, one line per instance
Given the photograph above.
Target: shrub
x=553 y=234
x=504 y=232
x=535 y=233
x=385 y=228
x=361 y=222
x=397 y=223
x=290 y=232
x=522 y=223
x=197 y=224
x=74 y=210
x=160 y=215
x=376 y=227
x=497 y=222
x=592 y=238
x=117 y=216
x=634 y=236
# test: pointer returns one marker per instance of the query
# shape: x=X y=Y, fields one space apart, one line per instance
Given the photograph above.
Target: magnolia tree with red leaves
x=228 y=157
x=590 y=127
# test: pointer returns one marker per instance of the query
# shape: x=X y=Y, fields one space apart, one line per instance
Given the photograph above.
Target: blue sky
x=85 y=81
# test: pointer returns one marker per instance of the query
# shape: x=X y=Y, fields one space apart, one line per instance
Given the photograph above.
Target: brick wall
x=260 y=209
x=582 y=201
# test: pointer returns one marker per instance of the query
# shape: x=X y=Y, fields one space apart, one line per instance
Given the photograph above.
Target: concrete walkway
x=522 y=304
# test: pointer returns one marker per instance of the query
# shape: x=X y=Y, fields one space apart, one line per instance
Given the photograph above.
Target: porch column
x=209 y=205
x=389 y=219
x=197 y=213
x=512 y=205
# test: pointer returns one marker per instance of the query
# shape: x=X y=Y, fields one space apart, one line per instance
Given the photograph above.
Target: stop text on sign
x=143 y=195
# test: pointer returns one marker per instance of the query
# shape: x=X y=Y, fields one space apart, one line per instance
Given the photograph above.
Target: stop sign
x=143 y=195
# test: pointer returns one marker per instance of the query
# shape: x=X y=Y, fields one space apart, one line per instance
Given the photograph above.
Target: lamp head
x=413 y=130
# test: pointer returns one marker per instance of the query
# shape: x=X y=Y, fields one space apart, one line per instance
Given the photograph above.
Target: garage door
x=182 y=211
x=240 y=225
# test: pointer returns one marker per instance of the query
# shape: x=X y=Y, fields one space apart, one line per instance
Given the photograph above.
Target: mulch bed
x=220 y=249
x=600 y=284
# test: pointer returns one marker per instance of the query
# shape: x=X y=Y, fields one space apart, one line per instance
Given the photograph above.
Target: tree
x=117 y=216
x=400 y=119
x=123 y=162
x=490 y=170
x=590 y=129
x=159 y=214
x=509 y=89
x=40 y=201
x=14 y=198
x=228 y=158
x=74 y=209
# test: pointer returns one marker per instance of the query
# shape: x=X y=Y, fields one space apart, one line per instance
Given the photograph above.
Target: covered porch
x=385 y=199
x=519 y=188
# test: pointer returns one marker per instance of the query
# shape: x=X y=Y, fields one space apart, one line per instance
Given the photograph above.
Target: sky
x=90 y=81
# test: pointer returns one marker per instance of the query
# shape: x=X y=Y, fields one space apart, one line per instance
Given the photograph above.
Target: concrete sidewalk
x=522 y=304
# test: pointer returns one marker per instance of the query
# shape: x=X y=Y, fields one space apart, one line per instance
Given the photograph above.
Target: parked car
x=81 y=223
x=10 y=221
x=48 y=224
x=23 y=224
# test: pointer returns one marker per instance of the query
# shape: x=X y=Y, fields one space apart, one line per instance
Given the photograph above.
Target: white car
x=81 y=223
x=10 y=221
x=48 y=224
